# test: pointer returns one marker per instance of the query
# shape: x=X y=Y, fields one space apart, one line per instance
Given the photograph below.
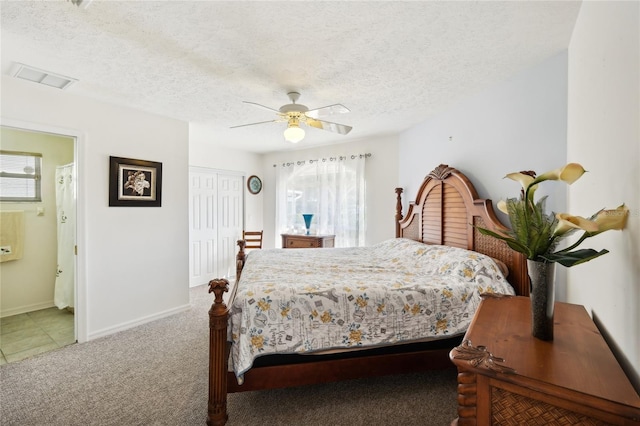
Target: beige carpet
x=156 y=374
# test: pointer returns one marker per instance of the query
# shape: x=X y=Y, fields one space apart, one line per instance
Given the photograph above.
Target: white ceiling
x=393 y=64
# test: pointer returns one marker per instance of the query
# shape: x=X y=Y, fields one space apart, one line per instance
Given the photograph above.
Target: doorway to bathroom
x=38 y=236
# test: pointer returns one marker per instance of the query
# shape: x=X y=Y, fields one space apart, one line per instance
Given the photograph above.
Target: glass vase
x=542 y=278
x=307 y=221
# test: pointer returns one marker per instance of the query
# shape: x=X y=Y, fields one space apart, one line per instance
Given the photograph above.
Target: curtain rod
x=324 y=160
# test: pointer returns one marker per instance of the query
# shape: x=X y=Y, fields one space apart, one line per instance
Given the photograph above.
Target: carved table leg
x=467 y=392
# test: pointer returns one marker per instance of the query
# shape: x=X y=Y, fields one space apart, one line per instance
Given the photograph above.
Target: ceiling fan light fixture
x=293 y=114
x=293 y=133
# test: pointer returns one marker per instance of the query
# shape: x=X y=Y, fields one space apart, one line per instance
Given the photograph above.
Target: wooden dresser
x=307 y=241
x=573 y=380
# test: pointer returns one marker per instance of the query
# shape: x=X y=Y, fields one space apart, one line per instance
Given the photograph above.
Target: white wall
x=381 y=173
x=28 y=284
x=604 y=135
x=203 y=152
x=517 y=125
x=134 y=260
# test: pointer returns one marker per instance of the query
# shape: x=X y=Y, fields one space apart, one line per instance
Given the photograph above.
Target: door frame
x=80 y=309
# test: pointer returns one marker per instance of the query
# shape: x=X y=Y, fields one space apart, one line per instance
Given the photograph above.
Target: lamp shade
x=293 y=133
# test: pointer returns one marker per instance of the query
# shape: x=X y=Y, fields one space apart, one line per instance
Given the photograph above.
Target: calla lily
x=502 y=206
x=606 y=220
x=611 y=219
x=568 y=174
x=524 y=179
x=567 y=222
x=536 y=234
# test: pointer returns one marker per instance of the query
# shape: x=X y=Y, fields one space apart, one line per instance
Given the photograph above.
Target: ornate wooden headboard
x=447 y=210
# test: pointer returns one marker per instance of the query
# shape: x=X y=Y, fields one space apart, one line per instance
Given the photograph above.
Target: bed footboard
x=218 y=354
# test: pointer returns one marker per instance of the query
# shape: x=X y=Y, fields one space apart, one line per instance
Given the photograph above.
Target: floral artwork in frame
x=134 y=183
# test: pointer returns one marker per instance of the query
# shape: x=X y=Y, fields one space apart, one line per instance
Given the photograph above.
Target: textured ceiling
x=393 y=64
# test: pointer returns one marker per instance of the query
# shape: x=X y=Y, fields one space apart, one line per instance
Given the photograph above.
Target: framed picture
x=134 y=183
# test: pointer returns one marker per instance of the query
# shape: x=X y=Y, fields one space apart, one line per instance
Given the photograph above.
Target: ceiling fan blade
x=326 y=111
x=253 y=124
x=261 y=106
x=326 y=125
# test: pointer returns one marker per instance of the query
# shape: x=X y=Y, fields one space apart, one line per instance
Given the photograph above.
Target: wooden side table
x=508 y=377
x=307 y=241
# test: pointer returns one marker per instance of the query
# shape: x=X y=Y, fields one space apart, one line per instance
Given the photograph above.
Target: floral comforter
x=398 y=291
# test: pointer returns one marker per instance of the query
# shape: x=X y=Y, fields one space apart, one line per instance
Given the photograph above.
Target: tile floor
x=32 y=333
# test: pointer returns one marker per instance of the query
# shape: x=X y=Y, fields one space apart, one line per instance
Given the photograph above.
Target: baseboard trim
x=28 y=308
x=127 y=325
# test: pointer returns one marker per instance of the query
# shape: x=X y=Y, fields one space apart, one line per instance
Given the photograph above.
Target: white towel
x=11 y=235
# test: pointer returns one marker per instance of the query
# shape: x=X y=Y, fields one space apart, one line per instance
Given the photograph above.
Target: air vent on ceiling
x=36 y=75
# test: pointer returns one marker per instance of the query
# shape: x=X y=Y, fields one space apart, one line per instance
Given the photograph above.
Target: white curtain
x=65 y=210
x=332 y=189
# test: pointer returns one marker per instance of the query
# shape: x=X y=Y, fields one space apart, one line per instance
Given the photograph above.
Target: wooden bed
x=446 y=211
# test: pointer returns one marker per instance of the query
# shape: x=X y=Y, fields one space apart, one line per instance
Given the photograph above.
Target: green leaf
x=520 y=248
x=517 y=210
x=574 y=257
x=532 y=228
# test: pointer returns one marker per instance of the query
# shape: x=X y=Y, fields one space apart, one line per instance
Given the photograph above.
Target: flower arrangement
x=536 y=234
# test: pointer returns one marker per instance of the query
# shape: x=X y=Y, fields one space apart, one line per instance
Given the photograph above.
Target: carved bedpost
x=398 y=210
x=240 y=258
x=218 y=350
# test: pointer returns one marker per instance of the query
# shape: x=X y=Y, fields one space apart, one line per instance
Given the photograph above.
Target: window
x=20 y=176
x=332 y=189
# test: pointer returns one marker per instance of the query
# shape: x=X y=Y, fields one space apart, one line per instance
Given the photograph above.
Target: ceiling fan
x=293 y=114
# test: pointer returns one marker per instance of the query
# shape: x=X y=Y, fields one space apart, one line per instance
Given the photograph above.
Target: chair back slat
x=253 y=239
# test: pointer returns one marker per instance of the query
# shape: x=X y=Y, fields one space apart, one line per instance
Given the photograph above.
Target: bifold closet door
x=215 y=223
x=229 y=217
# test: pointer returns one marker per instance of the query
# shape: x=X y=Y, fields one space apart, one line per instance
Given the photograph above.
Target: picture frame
x=134 y=183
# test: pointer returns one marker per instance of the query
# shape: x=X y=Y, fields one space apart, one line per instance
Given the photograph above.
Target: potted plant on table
x=537 y=234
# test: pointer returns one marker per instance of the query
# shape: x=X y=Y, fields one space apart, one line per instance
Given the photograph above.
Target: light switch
x=40 y=211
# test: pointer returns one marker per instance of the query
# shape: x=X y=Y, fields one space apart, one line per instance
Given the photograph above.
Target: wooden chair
x=253 y=239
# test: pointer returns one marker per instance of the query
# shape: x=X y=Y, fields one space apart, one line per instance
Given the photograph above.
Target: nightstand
x=307 y=241
x=508 y=377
